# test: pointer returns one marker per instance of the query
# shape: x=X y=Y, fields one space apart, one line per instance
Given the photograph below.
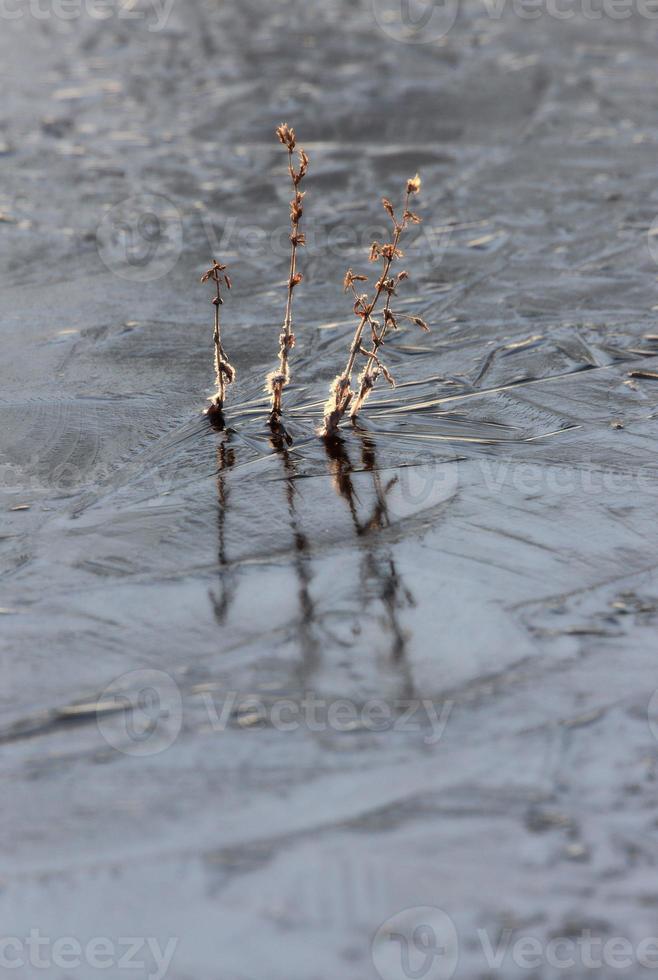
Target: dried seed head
x=213 y=272
x=389 y=251
x=413 y=185
x=296 y=208
x=361 y=304
x=418 y=320
x=388 y=207
x=415 y=219
x=286 y=136
x=375 y=251
x=352 y=277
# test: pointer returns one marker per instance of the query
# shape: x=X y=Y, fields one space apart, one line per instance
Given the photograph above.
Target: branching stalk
x=342 y=396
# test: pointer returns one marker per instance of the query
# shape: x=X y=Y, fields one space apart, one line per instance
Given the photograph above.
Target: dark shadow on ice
x=378 y=566
x=280 y=441
x=227 y=582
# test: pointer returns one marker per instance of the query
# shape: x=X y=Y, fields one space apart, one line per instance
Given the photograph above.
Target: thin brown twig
x=277 y=380
x=224 y=371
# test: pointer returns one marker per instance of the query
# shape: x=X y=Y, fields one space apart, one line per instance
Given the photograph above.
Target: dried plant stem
x=342 y=396
x=219 y=351
x=224 y=371
x=341 y=389
x=277 y=380
x=367 y=381
x=294 y=224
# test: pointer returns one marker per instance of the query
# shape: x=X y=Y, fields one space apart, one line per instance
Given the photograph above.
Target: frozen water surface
x=483 y=546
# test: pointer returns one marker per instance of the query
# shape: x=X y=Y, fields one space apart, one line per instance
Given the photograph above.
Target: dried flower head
x=391 y=251
x=351 y=278
x=413 y=185
x=214 y=273
x=303 y=166
x=286 y=136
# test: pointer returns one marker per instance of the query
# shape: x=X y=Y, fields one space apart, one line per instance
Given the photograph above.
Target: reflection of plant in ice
x=378 y=567
x=225 y=461
x=278 y=379
x=342 y=396
x=224 y=371
x=301 y=561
